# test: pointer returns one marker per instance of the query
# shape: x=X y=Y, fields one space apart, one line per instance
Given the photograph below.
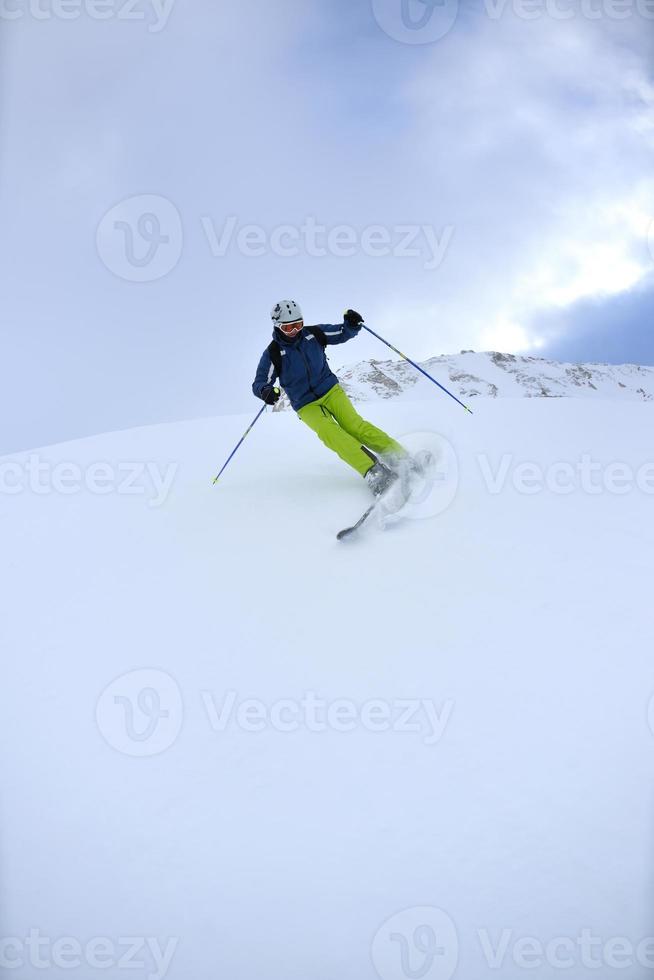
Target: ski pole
x=246 y=433
x=418 y=368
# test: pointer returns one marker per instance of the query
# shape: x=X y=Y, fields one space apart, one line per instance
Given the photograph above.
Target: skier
x=297 y=358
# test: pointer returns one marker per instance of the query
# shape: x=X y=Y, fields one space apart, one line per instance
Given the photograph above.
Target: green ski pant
x=336 y=422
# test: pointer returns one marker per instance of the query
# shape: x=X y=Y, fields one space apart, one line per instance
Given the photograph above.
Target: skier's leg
x=362 y=431
x=334 y=437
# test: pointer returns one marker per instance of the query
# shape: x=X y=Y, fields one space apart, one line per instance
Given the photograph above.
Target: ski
x=423 y=462
x=396 y=494
x=347 y=531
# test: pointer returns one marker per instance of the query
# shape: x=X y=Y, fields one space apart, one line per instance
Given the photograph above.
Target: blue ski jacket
x=305 y=374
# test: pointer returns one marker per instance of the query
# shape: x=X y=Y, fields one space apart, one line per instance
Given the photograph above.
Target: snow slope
x=307 y=835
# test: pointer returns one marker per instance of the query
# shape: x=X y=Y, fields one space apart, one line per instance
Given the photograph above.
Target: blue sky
x=511 y=158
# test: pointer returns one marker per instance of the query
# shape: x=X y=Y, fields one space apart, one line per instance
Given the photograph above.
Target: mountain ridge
x=492 y=374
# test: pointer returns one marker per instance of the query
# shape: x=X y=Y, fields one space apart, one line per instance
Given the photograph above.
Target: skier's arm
x=265 y=377
x=342 y=332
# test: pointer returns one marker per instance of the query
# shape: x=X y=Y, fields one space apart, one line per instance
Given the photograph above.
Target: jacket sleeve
x=266 y=374
x=339 y=333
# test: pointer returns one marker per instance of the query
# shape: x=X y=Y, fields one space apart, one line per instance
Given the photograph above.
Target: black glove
x=270 y=394
x=352 y=318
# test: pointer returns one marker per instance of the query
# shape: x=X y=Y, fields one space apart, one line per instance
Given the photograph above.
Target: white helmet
x=286 y=311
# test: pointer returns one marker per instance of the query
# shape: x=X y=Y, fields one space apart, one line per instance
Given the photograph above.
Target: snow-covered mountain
x=493 y=375
x=234 y=748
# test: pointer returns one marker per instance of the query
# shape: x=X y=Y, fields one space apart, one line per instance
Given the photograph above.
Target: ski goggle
x=291 y=329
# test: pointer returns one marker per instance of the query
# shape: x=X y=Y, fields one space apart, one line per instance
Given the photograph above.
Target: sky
x=466 y=175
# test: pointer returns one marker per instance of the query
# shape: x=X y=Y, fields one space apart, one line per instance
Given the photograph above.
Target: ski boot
x=380 y=478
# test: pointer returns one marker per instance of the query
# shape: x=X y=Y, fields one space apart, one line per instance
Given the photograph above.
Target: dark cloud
x=615 y=329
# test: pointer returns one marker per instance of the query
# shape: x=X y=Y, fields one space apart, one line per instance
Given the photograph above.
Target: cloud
x=616 y=329
x=536 y=141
